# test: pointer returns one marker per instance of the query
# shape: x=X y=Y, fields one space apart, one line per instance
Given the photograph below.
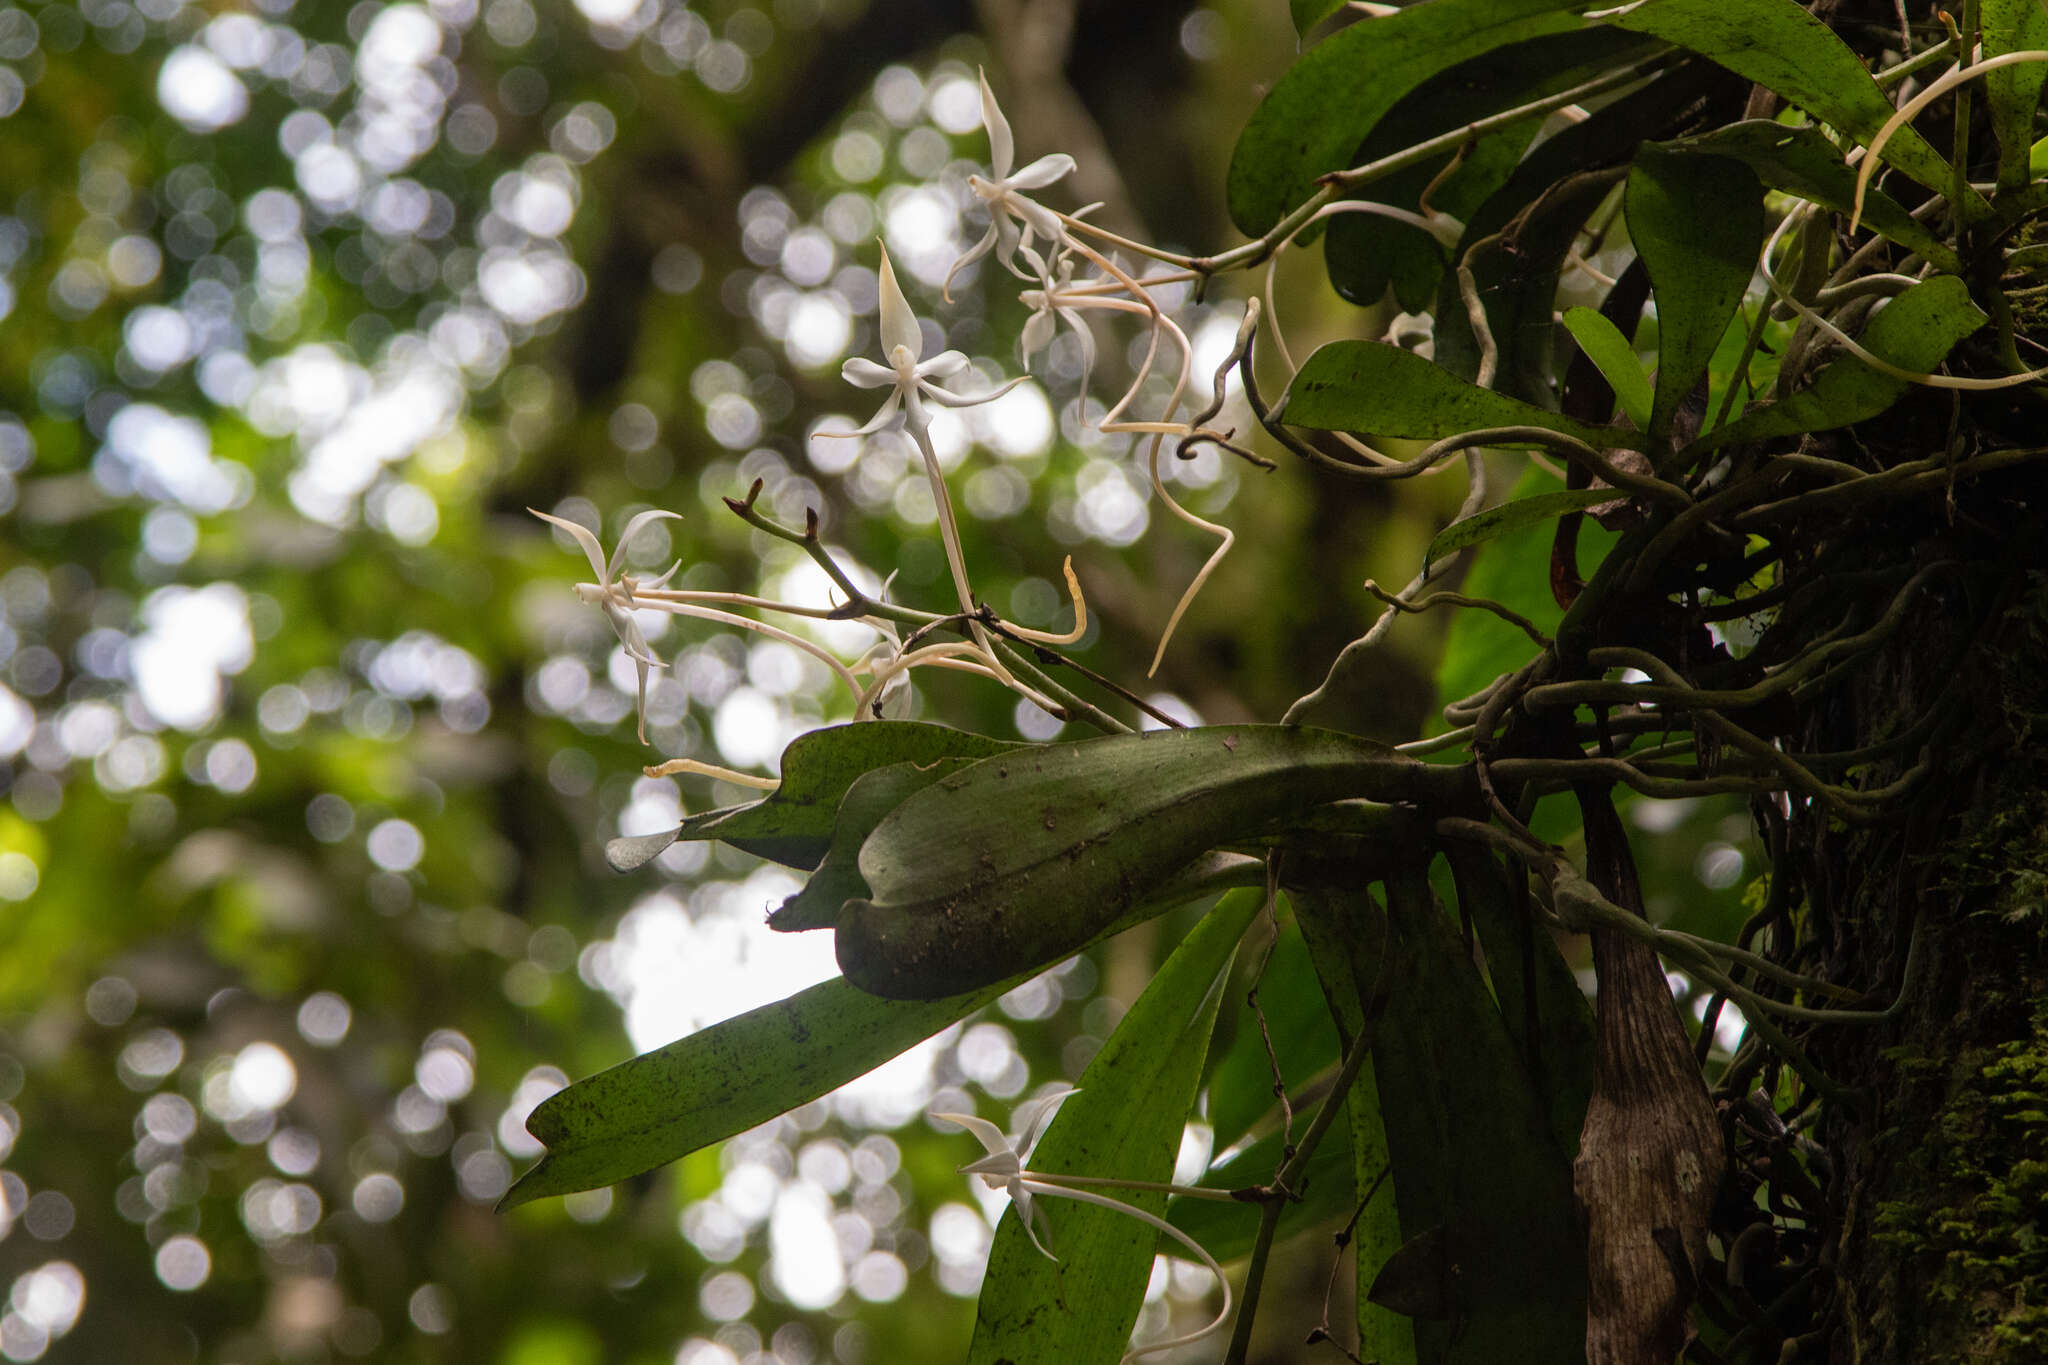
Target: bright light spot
x=880 y=1277
x=1035 y=723
x=611 y=13
x=19 y=876
x=50 y=1297
x=445 y=1074
x=192 y=637
x=1017 y=424
x=749 y=729
x=1719 y=866
x=231 y=766
x=1109 y=506
x=803 y=1254
x=396 y=845
x=165 y=457
x=818 y=330
x=378 y=1198
x=197 y=89
x=263 y=1076
x=324 y=1019
x=728 y=1295
x=955 y=105
x=183 y=1263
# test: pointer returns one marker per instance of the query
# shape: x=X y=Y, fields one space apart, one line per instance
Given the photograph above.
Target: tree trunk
x=1933 y=1245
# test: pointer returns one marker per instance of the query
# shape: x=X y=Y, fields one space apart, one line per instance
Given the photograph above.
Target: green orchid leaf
x=1513 y=516
x=2014 y=91
x=1609 y=350
x=1365 y=252
x=1915 y=331
x=1515 y=571
x=1308 y=14
x=1698 y=224
x=665 y=1104
x=1227 y=1231
x=1802 y=161
x=1124 y=1122
x=1315 y=117
x=1375 y=389
x=1547 y=1017
x=793 y=824
x=837 y=879
x=1473 y=1152
x=1017 y=860
x=723 y=1080
x=1347 y=935
x=1241 y=1090
x=1779 y=45
x=1541 y=211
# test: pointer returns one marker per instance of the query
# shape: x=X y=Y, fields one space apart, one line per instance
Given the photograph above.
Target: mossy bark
x=1938 y=1178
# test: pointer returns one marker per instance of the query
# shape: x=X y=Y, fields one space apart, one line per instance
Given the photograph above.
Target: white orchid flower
x=909 y=377
x=1005 y=1168
x=613 y=592
x=1014 y=221
x=1049 y=307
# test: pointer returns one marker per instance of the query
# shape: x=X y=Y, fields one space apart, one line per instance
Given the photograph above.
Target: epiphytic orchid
x=1014 y=221
x=613 y=592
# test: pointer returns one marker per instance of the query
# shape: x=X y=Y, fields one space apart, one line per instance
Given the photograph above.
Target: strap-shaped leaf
x=1019 y=859
x=1698 y=223
x=725 y=1079
x=1309 y=13
x=837 y=879
x=1473 y=1153
x=1778 y=44
x=1513 y=516
x=1366 y=252
x=1540 y=212
x=1382 y=390
x=1316 y=116
x=1228 y=1230
x=1915 y=331
x=2014 y=91
x=1546 y=1015
x=1297 y=1020
x=1615 y=356
x=1345 y=930
x=792 y=825
x=1125 y=1122
x=1802 y=161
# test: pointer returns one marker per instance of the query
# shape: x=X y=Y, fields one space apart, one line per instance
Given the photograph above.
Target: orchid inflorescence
x=1005 y=1167
x=1040 y=246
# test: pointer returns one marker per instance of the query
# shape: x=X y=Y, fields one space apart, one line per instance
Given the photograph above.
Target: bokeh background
x=308 y=751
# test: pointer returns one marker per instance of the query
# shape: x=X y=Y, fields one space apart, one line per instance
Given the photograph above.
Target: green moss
x=1974 y=1235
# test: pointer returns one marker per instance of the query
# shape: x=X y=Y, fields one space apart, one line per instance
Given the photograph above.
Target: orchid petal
x=878 y=421
x=967 y=258
x=1087 y=344
x=990 y=1136
x=947 y=398
x=1037 y=332
x=899 y=324
x=626 y=538
x=1043 y=172
x=1032 y=1215
x=944 y=365
x=1046 y=1110
x=863 y=373
x=583 y=537
x=1002 y=148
